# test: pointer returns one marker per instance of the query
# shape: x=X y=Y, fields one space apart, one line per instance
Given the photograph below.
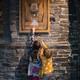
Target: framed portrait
x=34 y=13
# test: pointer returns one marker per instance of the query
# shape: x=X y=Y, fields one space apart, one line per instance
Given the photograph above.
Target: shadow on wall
x=73 y=37
x=22 y=69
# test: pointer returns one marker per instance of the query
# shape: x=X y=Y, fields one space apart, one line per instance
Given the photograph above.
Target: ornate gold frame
x=43 y=16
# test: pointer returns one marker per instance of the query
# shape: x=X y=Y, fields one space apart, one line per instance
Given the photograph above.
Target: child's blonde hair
x=47 y=53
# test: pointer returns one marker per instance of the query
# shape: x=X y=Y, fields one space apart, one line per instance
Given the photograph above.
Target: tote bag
x=33 y=69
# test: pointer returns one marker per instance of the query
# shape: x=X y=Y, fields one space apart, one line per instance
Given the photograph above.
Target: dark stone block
x=6 y=64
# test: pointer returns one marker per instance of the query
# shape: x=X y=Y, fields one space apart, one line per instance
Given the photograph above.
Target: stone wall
x=79 y=40
x=14 y=58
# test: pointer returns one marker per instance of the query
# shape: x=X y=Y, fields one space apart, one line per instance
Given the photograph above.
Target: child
x=46 y=59
x=47 y=66
x=34 y=66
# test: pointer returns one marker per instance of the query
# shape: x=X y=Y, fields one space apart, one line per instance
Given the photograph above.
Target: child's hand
x=33 y=29
x=42 y=43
